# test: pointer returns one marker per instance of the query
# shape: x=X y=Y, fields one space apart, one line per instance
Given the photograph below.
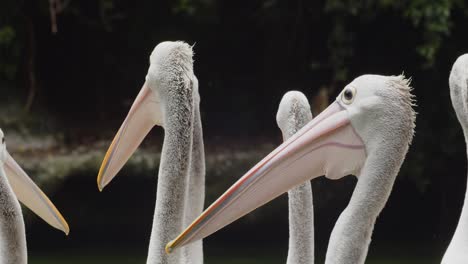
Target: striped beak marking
x=328 y=146
x=31 y=196
x=144 y=114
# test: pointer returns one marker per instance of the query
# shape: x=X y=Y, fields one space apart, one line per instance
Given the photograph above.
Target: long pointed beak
x=328 y=145
x=143 y=115
x=30 y=195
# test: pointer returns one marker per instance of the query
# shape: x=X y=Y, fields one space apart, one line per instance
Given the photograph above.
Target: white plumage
x=365 y=132
x=169 y=98
x=15 y=184
x=294 y=113
x=457 y=252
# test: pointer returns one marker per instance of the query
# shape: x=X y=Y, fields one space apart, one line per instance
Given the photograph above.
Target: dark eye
x=348 y=95
x=3 y=140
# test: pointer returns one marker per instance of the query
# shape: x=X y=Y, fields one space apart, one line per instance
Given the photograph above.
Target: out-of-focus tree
x=18 y=36
x=10 y=42
x=431 y=21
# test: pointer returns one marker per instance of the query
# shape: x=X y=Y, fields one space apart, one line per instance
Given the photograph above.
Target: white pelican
x=457 y=252
x=294 y=113
x=366 y=132
x=196 y=186
x=169 y=98
x=16 y=185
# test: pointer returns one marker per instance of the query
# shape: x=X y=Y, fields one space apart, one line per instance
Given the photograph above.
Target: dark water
x=114 y=226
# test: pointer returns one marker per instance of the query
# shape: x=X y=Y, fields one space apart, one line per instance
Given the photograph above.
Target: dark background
x=77 y=84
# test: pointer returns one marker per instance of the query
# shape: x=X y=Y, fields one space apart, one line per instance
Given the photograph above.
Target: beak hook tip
x=66 y=228
x=169 y=247
x=100 y=184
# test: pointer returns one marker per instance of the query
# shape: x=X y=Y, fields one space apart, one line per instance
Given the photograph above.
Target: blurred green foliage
x=430 y=19
x=10 y=52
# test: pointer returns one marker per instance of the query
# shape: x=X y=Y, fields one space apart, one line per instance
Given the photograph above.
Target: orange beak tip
x=66 y=229
x=169 y=248
x=100 y=183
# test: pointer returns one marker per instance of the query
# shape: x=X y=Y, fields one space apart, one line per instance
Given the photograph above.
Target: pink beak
x=30 y=195
x=328 y=145
x=143 y=115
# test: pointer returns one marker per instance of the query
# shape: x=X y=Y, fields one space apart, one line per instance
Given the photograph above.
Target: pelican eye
x=348 y=95
x=3 y=140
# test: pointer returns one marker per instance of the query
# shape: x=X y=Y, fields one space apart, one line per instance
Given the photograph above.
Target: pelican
x=169 y=98
x=16 y=185
x=196 y=188
x=457 y=251
x=365 y=132
x=294 y=113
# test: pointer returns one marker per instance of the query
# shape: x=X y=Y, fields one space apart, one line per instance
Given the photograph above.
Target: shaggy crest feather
x=172 y=55
x=406 y=99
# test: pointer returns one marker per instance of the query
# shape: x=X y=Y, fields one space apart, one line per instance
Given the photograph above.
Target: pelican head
x=170 y=69
x=458 y=80
x=293 y=107
x=27 y=191
x=459 y=89
x=372 y=115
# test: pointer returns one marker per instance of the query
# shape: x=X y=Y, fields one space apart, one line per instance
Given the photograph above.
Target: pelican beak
x=328 y=145
x=143 y=115
x=30 y=195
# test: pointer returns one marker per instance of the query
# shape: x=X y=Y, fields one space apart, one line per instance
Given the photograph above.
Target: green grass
x=228 y=259
x=215 y=254
x=74 y=259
